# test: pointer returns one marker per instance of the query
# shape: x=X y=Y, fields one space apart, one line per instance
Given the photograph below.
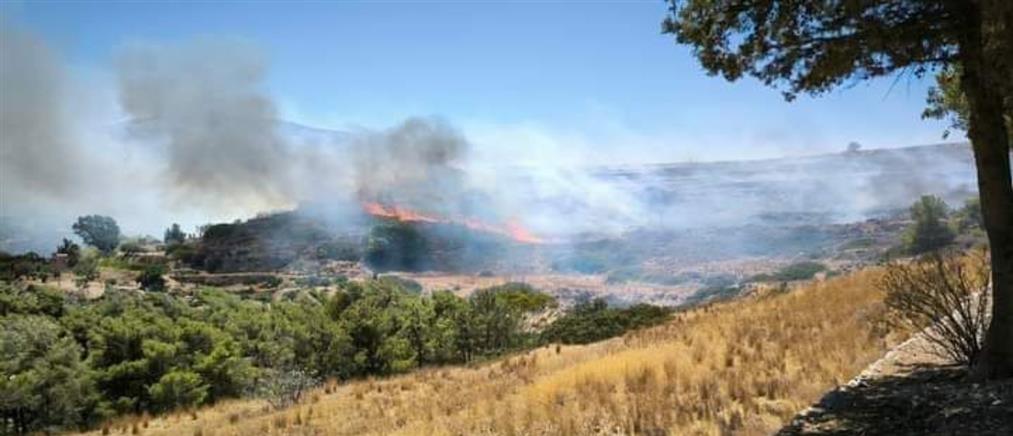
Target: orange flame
x=512 y=230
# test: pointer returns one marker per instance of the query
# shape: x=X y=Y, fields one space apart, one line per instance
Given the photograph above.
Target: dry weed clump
x=742 y=367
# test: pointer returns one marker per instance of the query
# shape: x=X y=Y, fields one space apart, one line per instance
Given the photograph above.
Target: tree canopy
x=99 y=231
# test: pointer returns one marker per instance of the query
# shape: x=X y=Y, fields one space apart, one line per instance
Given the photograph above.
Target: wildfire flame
x=512 y=229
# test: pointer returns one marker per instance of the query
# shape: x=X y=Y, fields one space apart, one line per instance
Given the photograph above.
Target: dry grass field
x=744 y=367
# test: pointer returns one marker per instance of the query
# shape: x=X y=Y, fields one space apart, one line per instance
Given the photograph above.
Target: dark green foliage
x=174 y=235
x=394 y=245
x=709 y=294
x=98 y=231
x=930 y=231
x=151 y=279
x=87 y=268
x=31 y=300
x=811 y=47
x=796 y=271
x=178 y=389
x=131 y=247
x=339 y=250
x=946 y=100
x=74 y=362
x=43 y=381
x=264 y=243
x=71 y=250
x=523 y=298
x=594 y=321
x=23 y=266
x=969 y=217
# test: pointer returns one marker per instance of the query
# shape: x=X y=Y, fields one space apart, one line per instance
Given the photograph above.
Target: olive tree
x=99 y=231
x=814 y=46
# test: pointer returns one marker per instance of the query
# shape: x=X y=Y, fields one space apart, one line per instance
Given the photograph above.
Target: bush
x=947 y=296
x=285 y=387
x=594 y=321
x=87 y=269
x=27 y=266
x=708 y=294
x=131 y=247
x=929 y=232
x=151 y=278
x=969 y=217
x=178 y=388
x=522 y=298
x=792 y=272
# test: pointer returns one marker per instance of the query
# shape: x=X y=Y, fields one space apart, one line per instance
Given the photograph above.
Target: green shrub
x=178 y=389
x=151 y=279
x=969 y=216
x=713 y=293
x=522 y=297
x=796 y=271
x=24 y=266
x=930 y=231
x=594 y=321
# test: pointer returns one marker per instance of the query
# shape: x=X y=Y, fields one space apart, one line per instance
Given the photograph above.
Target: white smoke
x=205 y=100
x=38 y=156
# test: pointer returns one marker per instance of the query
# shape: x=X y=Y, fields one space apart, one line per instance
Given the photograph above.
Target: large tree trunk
x=985 y=82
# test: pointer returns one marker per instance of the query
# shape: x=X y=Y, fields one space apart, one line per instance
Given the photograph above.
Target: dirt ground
x=910 y=391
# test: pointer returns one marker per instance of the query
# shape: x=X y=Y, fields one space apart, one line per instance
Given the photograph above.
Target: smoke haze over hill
x=198 y=139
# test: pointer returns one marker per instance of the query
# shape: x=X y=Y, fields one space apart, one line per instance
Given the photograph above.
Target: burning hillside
x=512 y=230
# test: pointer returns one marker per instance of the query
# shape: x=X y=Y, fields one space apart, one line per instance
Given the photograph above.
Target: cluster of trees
x=804 y=270
x=936 y=226
x=66 y=363
x=594 y=320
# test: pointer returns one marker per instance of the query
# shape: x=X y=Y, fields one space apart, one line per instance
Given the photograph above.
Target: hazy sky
x=522 y=80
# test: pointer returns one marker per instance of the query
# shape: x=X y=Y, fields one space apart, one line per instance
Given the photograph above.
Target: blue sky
x=527 y=80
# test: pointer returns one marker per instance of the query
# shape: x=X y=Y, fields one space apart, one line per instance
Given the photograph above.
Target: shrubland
x=133 y=352
x=745 y=366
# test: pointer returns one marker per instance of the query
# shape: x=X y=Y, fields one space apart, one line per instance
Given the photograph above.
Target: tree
x=98 y=231
x=813 y=47
x=946 y=100
x=394 y=246
x=151 y=278
x=71 y=250
x=178 y=388
x=174 y=235
x=43 y=381
x=929 y=232
x=969 y=216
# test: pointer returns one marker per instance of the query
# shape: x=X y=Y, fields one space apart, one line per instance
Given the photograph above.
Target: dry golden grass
x=744 y=367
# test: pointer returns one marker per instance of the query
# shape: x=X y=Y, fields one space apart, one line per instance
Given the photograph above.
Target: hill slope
x=745 y=366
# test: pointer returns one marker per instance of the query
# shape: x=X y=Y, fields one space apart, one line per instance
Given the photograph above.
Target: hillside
x=745 y=366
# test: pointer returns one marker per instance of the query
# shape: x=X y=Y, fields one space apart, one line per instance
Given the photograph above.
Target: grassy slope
x=745 y=366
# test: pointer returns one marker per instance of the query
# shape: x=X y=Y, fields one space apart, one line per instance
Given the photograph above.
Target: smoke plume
x=37 y=155
x=413 y=162
x=205 y=100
